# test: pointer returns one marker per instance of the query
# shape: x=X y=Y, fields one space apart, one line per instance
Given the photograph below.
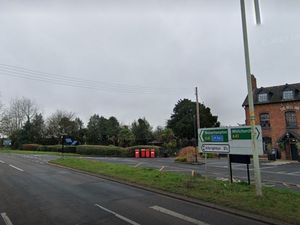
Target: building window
x=265 y=120
x=288 y=95
x=263 y=97
x=291 y=120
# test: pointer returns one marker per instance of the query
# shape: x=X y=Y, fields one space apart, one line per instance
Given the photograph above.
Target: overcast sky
x=135 y=58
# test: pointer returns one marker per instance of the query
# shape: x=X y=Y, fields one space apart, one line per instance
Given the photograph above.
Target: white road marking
x=161 y=169
x=293 y=173
x=138 y=164
x=2 y=161
x=6 y=219
x=17 y=168
x=178 y=215
x=117 y=215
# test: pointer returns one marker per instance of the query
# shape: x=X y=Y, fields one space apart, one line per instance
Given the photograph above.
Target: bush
x=57 y=148
x=181 y=159
x=102 y=150
x=189 y=153
x=30 y=147
x=131 y=149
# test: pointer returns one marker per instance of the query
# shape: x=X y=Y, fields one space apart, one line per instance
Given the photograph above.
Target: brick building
x=277 y=110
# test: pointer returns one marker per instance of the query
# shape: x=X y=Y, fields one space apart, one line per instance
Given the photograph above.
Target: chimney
x=253 y=82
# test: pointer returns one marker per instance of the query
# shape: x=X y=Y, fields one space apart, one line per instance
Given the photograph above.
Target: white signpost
x=229 y=140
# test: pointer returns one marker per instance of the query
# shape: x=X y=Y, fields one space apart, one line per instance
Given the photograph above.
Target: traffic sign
x=229 y=140
x=216 y=148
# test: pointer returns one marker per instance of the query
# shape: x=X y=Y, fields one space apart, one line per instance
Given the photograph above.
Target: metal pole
x=257 y=12
x=257 y=175
x=198 y=119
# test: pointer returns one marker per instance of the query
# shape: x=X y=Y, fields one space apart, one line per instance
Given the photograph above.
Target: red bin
x=152 y=153
x=147 y=153
x=143 y=153
x=137 y=153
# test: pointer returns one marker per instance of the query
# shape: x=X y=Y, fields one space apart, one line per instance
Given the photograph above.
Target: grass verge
x=276 y=203
x=26 y=152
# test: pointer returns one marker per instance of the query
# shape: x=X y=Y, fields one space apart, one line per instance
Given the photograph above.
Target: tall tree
x=113 y=129
x=142 y=131
x=125 y=137
x=60 y=122
x=93 y=130
x=183 y=119
x=17 y=114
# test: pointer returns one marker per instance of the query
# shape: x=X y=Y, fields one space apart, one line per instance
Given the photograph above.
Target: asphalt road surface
x=282 y=174
x=35 y=193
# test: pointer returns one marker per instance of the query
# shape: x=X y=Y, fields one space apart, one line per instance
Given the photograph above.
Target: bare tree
x=56 y=123
x=19 y=111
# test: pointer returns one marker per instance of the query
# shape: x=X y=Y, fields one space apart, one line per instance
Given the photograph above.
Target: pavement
x=36 y=193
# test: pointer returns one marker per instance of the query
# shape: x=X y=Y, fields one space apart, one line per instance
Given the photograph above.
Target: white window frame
x=263 y=97
x=288 y=95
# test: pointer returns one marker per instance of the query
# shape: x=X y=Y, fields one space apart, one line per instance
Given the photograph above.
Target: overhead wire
x=71 y=81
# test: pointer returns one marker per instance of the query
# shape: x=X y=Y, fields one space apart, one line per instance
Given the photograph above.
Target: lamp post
x=257 y=175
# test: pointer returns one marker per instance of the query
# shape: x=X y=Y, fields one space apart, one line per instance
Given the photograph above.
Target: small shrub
x=181 y=159
x=189 y=153
x=57 y=148
x=30 y=147
x=101 y=150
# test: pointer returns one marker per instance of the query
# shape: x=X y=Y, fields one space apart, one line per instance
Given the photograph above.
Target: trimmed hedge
x=131 y=149
x=30 y=147
x=101 y=150
x=57 y=148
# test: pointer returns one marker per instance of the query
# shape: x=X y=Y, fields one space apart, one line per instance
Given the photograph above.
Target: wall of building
x=277 y=118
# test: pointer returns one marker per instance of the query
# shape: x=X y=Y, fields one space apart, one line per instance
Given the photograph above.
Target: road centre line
x=17 y=168
x=177 y=215
x=117 y=215
x=2 y=161
x=6 y=219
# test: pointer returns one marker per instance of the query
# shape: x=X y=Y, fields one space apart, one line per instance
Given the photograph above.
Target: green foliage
x=101 y=150
x=102 y=131
x=125 y=137
x=183 y=119
x=142 y=131
x=181 y=159
x=57 y=148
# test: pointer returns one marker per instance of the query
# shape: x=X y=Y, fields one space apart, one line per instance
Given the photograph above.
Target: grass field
x=280 y=204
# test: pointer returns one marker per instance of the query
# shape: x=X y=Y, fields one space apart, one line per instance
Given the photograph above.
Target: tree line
x=23 y=122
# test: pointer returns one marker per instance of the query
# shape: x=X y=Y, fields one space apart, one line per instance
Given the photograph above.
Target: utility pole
x=257 y=175
x=197 y=109
x=198 y=119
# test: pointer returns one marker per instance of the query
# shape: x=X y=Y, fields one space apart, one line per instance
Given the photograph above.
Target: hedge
x=30 y=147
x=101 y=150
x=57 y=148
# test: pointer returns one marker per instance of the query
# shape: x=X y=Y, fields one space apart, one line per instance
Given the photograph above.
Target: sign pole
x=257 y=174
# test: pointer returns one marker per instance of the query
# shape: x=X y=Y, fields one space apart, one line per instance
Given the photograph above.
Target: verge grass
x=280 y=204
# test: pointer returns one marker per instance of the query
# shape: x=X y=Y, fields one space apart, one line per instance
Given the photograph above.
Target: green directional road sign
x=242 y=133
x=229 y=140
x=214 y=135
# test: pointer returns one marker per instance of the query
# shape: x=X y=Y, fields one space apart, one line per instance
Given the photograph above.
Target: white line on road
x=6 y=219
x=161 y=169
x=178 y=215
x=137 y=165
x=2 y=161
x=117 y=215
x=17 y=168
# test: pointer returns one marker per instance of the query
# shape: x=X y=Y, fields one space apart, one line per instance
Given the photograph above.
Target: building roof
x=275 y=94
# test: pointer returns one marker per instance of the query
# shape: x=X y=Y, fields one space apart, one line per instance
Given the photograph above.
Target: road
x=35 y=193
x=283 y=174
